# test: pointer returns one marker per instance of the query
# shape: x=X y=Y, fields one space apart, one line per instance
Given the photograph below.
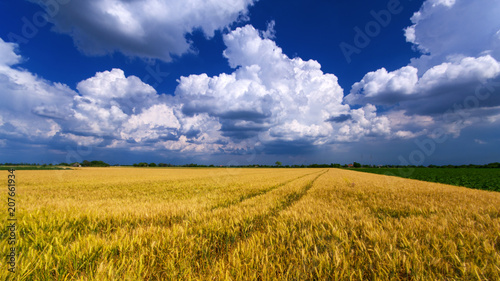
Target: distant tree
x=318 y=166
x=152 y=164
x=493 y=165
x=356 y=165
x=278 y=163
x=85 y=163
x=97 y=163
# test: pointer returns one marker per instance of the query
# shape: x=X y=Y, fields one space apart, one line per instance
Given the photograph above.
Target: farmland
x=478 y=178
x=249 y=224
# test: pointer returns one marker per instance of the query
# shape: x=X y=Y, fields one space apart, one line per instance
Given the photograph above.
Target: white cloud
x=464 y=70
x=107 y=100
x=364 y=122
x=84 y=141
x=156 y=122
x=29 y=104
x=108 y=109
x=113 y=84
x=8 y=56
x=271 y=97
x=268 y=100
x=405 y=134
x=381 y=86
x=478 y=141
x=146 y=28
x=455 y=80
x=107 y=105
x=443 y=28
x=270 y=33
x=401 y=121
x=454 y=84
x=132 y=114
x=183 y=144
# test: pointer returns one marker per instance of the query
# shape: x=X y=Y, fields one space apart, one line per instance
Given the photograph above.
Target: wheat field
x=249 y=224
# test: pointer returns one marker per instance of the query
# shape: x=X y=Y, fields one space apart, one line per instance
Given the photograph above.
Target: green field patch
x=477 y=178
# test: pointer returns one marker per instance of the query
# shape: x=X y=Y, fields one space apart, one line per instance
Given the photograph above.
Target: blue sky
x=241 y=82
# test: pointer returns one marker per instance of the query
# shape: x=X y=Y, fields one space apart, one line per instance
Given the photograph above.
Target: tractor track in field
x=255 y=193
x=222 y=242
x=88 y=224
x=258 y=222
x=290 y=199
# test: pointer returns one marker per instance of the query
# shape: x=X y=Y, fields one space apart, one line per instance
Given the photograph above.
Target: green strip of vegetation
x=478 y=178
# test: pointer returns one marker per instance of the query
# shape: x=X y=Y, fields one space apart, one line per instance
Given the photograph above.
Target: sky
x=240 y=82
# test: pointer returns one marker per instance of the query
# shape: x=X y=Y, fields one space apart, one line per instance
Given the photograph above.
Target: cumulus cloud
x=383 y=87
x=107 y=100
x=8 y=56
x=457 y=75
x=157 y=119
x=108 y=109
x=130 y=113
x=30 y=105
x=364 y=122
x=268 y=100
x=438 y=89
x=443 y=28
x=272 y=97
x=145 y=28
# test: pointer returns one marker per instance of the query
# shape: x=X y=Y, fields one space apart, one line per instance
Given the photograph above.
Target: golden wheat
x=249 y=224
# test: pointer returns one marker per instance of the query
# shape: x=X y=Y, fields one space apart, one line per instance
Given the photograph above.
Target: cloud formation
x=457 y=75
x=269 y=99
x=269 y=103
x=273 y=97
x=449 y=82
x=30 y=105
x=145 y=28
x=443 y=28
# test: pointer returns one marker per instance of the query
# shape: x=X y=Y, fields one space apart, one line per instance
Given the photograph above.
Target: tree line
x=278 y=164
